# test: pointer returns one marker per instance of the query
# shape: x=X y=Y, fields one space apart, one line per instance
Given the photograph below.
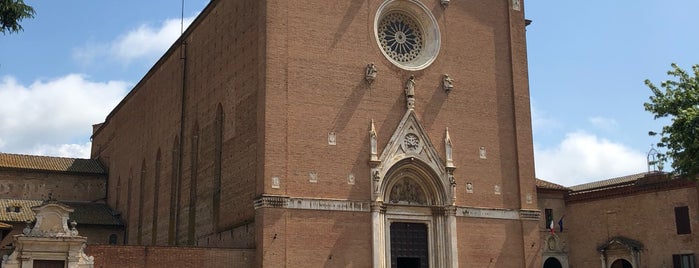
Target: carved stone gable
x=49 y=240
x=409 y=141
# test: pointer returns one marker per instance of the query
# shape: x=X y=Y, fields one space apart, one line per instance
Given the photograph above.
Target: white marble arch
x=411 y=157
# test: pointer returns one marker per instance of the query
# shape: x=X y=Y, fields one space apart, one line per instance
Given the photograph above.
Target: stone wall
x=26 y=184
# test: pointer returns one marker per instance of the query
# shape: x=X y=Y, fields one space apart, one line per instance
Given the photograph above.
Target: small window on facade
x=17 y=209
x=8 y=209
x=683 y=261
x=548 y=213
x=112 y=239
x=682 y=220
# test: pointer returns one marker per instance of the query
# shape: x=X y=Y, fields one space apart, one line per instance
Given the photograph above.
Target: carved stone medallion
x=411 y=142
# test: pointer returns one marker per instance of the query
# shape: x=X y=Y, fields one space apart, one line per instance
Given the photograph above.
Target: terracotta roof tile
x=24 y=206
x=613 y=182
x=549 y=185
x=50 y=163
x=93 y=213
x=84 y=212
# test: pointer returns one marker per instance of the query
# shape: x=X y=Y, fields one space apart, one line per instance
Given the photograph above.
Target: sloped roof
x=50 y=163
x=93 y=213
x=84 y=212
x=549 y=185
x=25 y=210
x=618 y=181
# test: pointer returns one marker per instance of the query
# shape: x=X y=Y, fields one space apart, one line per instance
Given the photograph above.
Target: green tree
x=11 y=13
x=678 y=100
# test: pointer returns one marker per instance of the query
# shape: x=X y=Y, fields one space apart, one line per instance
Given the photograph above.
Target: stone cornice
x=277 y=201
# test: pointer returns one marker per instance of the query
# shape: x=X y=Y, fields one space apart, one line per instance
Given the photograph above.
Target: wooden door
x=409 y=248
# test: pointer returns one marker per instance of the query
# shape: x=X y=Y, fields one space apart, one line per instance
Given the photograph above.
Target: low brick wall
x=108 y=256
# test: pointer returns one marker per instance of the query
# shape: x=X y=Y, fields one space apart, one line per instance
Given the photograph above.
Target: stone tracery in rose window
x=400 y=37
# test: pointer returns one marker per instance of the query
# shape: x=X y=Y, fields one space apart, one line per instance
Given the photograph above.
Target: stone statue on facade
x=410 y=92
x=447 y=83
x=370 y=74
x=376 y=179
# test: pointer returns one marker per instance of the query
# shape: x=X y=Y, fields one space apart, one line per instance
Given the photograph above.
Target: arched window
x=218 y=153
x=141 y=197
x=156 y=197
x=194 y=158
x=129 y=210
x=174 y=191
x=112 y=239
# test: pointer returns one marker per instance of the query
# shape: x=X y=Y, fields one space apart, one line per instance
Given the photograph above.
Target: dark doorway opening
x=621 y=263
x=49 y=264
x=409 y=247
x=552 y=263
x=407 y=262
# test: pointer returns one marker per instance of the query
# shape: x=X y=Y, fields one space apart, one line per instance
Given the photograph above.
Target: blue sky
x=587 y=64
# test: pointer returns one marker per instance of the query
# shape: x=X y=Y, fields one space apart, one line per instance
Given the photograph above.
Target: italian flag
x=551 y=226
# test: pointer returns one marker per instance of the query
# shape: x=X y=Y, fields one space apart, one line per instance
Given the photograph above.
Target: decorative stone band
x=276 y=201
x=530 y=214
x=493 y=213
x=271 y=201
x=312 y=203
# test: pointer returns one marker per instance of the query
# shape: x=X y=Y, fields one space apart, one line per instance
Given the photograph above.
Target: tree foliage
x=678 y=100
x=11 y=13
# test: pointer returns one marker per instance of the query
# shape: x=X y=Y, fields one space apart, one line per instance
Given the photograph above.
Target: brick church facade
x=334 y=133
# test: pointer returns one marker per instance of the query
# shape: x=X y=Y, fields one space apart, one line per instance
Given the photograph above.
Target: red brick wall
x=286 y=74
x=168 y=257
x=648 y=218
x=491 y=243
x=315 y=85
x=305 y=238
x=223 y=57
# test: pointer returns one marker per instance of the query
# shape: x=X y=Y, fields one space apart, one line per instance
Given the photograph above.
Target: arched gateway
x=413 y=216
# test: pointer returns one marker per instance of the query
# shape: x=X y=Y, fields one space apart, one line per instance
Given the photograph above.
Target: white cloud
x=64 y=150
x=603 y=122
x=583 y=157
x=54 y=115
x=143 y=43
x=540 y=120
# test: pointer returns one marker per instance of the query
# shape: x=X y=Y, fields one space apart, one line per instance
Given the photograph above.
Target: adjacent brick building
x=27 y=181
x=640 y=220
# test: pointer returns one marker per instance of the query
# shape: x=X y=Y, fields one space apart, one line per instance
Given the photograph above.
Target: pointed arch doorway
x=413 y=224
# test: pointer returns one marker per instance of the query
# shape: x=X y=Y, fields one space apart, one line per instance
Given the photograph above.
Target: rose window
x=400 y=37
